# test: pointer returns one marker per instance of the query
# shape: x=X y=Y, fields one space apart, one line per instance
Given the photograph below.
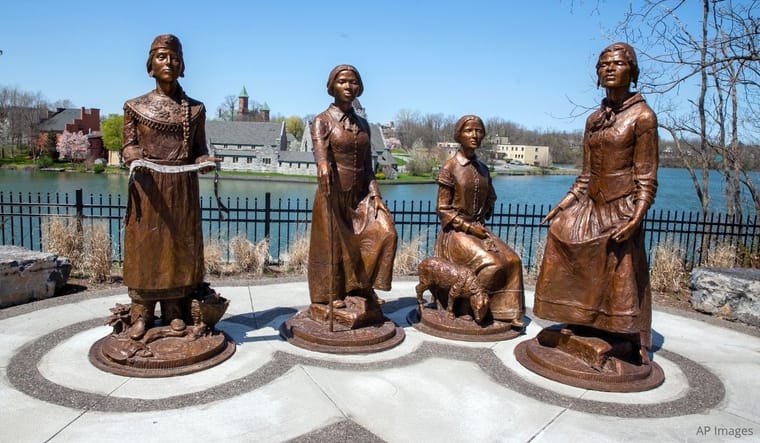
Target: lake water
x=676 y=191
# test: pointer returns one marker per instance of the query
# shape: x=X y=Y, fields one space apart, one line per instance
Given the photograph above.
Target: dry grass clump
x=249 y=257
x=538 y=257
x=408 y=257
x=88 y=248
x=213 y=259
x=63 y=237
x=98 y=253
x=668 y=272
x=722 y=255
x=296 y=259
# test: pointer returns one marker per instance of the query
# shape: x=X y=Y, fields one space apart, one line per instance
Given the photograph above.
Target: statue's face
x=165 y=65
x=613 y=70
x=472 y=134
x=346 y=86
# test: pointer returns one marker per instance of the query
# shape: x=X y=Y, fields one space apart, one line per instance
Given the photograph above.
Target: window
x=266 y=161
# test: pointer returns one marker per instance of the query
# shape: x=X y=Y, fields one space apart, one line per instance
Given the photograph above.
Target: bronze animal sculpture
x=447 y=280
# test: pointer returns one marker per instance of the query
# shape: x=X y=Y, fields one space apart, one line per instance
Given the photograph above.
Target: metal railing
x=23 y=217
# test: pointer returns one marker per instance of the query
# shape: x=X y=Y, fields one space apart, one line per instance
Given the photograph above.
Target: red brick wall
x=88 y=121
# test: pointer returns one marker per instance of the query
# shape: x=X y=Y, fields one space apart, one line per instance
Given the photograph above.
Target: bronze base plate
x=165 y=357
x=436 y=322
x=618 y=376
x=303 y=331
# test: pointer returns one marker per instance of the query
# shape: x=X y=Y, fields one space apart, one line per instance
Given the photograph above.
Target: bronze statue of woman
x=594 y=277
x=163 y=244
x=353 y=238
x=465 y=201
x=595 y=271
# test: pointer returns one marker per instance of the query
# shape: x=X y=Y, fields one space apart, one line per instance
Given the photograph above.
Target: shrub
x=408 y=257
x=212 y=257
x=65 y=238
x=44 y=161
x=249 y=257
x=296 y=258
x=668 y=271
x=538 y=257
x=98 y=168
x=723 y=254
x=98 y=254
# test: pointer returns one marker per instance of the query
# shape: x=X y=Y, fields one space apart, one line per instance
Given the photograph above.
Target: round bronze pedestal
x=303 y=331
x=576 y=366
x=437 y=322
x=164 y=357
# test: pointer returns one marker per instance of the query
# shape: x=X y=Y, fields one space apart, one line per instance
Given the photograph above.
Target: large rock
x=731 y=293
x=30 y=275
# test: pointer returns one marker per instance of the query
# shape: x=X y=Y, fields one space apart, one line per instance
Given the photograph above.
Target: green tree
x=294 y=125
x=112 y=128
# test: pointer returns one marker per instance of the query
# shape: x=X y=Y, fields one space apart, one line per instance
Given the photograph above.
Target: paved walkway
x=426 y=389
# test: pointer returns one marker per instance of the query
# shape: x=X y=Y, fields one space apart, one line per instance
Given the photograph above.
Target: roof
x=244 y=133
x=59 y=120
x=376 y=138
x=296 y=156
x=243 y=93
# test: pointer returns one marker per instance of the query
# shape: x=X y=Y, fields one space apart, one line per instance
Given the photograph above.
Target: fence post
x=79 y=208
x=267 y=213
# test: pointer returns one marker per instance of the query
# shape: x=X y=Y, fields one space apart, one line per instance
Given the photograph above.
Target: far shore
x=231 y=175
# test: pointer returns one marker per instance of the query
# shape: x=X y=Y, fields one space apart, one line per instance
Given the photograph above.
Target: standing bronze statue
x=466 y=248
x=165 y=148
x=594 y=276
x=353 y=238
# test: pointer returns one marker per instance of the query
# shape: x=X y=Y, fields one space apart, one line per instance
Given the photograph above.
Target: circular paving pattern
x=704 y=390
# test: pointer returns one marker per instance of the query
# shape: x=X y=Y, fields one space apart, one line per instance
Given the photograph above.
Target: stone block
x=27 y=275
x=731 y=293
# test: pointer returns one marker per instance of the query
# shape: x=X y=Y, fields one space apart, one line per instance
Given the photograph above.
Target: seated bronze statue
x=465 y=246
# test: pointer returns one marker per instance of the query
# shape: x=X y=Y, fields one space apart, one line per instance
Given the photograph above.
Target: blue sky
x=523 y=61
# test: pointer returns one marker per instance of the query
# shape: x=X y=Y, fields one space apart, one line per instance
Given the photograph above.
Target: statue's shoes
x=137 y=330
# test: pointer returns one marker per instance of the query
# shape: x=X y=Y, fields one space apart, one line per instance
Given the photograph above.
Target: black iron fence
x=23 y=218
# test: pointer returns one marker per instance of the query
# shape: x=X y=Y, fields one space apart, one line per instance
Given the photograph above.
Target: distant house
x=247 y=146
x=73 y=120
x=525 y=154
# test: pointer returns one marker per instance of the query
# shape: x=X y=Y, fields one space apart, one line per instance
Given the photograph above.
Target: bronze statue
x=165 y=147
x=594 y=276
x=465 y=201
x=353 y=238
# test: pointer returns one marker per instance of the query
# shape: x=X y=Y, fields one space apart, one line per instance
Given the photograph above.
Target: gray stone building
x=247 y=146
x=266 y=147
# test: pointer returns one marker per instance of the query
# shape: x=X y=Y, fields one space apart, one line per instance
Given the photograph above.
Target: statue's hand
x=380 y=205
x=553 y=213
x=130 y=154
x=478 y=231
x=323 y=177
x=207 y=158
x=625 y=232
x=568 y=200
